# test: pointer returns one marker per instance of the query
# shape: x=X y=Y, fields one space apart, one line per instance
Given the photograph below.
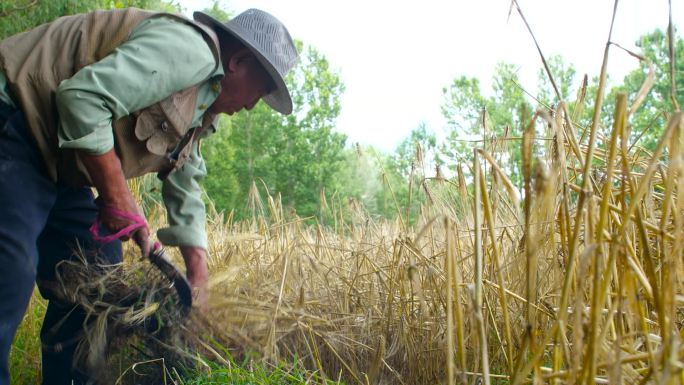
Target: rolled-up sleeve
x=161 y=57
x=184 y=206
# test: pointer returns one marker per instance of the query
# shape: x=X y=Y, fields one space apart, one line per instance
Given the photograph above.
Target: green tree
x=362 y=184
x=20 y=15
x=648 y=122
x=219 y=155
x=417 y=152
x=392 y=198
x=413 y=160
x=217 y=12
x=564 y=77
x=473 y=117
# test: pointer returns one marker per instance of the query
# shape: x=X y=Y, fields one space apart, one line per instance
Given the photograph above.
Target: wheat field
x=577 y=282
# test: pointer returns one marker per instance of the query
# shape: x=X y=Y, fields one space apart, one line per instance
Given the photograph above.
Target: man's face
x=244 y=83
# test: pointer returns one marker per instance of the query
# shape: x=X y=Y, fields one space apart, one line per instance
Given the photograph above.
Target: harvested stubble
x=580 y=282
x=576 y=283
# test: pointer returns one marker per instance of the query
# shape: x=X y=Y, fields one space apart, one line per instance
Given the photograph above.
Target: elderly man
x=95 y=99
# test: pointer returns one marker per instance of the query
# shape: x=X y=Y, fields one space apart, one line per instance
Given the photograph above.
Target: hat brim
x=279 y=99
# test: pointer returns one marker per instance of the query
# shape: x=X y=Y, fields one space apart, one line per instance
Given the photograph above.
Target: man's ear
x=239 y=58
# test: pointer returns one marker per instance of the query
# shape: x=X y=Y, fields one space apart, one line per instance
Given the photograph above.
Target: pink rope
x=138 y=223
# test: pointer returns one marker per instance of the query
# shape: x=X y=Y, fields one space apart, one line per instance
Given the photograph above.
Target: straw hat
x=271 y=43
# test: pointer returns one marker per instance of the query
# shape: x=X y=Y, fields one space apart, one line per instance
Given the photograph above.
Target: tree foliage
x=650 y=119
x=418 y=150
x=473 y=118
x=20 y=15
x=564 y=78
x=217 y=12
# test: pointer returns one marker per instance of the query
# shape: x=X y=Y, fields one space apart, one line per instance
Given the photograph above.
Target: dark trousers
x=41 y=223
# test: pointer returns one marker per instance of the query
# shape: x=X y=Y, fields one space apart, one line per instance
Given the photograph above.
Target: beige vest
x=36 y=61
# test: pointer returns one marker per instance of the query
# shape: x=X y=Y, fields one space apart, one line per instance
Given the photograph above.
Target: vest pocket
x=159 y=135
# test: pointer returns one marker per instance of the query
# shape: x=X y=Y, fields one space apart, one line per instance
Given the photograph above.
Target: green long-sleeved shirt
x=161 y=57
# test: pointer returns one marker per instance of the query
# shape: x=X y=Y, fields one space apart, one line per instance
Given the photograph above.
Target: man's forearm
x=195 y=262
x=197 y=272
x=107 y=176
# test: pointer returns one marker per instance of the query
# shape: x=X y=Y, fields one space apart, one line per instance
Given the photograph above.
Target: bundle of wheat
x=132 y=308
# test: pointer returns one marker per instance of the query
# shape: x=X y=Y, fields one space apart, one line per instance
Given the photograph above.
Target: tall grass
x=24 y=360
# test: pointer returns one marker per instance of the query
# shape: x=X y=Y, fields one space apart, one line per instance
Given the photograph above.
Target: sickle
x=178 y=280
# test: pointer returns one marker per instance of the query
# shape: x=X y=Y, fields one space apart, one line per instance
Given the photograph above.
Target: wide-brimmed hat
x=271 y=43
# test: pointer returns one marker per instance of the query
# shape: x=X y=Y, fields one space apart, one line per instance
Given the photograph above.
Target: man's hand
x=197 y=273
x=107 y=176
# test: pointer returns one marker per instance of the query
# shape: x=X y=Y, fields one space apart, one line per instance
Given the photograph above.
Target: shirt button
x=216 y=87
x=202 y=106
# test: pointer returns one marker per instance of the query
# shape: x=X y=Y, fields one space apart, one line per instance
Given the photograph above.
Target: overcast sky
x=396 y=56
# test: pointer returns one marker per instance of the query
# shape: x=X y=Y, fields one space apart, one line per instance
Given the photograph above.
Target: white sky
x=396 y=56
